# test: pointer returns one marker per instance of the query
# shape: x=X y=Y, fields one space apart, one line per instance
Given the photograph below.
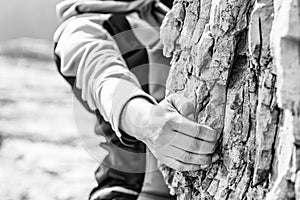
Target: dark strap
x=132 y=50
x=134 y=53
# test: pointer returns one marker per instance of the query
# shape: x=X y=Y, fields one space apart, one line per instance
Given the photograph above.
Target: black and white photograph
x=150 y=100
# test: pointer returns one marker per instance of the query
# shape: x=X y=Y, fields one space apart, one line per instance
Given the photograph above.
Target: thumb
x=182 y=104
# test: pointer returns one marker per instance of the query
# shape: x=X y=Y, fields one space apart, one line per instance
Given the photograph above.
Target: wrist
x=135 y=117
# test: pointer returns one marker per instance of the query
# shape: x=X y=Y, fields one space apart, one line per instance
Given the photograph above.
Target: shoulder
x=92 y=23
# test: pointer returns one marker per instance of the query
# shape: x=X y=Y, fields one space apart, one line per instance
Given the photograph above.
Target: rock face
x=240 y=62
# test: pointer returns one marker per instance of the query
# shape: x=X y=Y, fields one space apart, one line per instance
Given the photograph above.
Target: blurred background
x=42 y=156
x=30 y=18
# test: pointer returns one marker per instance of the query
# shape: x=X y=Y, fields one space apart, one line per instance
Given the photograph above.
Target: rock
x=241 y=67
x=170 y=28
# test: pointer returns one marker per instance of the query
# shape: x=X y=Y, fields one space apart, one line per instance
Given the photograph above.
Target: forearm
x=112 y=96
x=136 y=116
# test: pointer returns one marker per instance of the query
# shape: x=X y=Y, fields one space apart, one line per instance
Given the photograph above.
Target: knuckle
x=187 y=157
x=188 y=144
x=199 y=130
x=202 y=147
x=180 y=167
x=214 y=134
x=204 y=167
x=206 y=160
x=171 y=97
x=169 y=123
x=176 y=118
x=217 y=136
x=214 y=146
x=173 y=121
x=175 y=95
x=208 y=148
x=196 y=146
x=177 y=165
x=208 y=133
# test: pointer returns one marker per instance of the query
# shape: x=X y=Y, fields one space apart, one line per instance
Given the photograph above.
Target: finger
x=182 y=104
x=186 y=157
x=177 y=165
x=191 y=144
x=193 y=129
x=215 y=158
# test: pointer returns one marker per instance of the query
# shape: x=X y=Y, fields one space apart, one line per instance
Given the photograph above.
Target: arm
x=89 y=53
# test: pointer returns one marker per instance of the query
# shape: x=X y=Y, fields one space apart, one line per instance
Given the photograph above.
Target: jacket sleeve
x=88 y=53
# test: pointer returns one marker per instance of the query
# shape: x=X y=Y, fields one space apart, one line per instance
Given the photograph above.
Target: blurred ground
x=41 y=155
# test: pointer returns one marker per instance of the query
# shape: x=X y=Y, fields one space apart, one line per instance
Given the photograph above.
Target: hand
x=174 y=140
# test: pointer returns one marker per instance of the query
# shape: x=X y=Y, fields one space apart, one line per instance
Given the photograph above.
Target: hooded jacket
x=110 y=52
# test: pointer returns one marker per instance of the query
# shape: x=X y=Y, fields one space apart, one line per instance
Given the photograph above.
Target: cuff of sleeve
x=122 y=95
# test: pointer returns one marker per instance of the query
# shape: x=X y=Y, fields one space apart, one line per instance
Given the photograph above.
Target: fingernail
x=204 y=166
x=215 y=158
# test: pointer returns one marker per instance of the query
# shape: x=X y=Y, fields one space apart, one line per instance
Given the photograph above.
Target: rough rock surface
x=41 y=155
x=239 y=61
